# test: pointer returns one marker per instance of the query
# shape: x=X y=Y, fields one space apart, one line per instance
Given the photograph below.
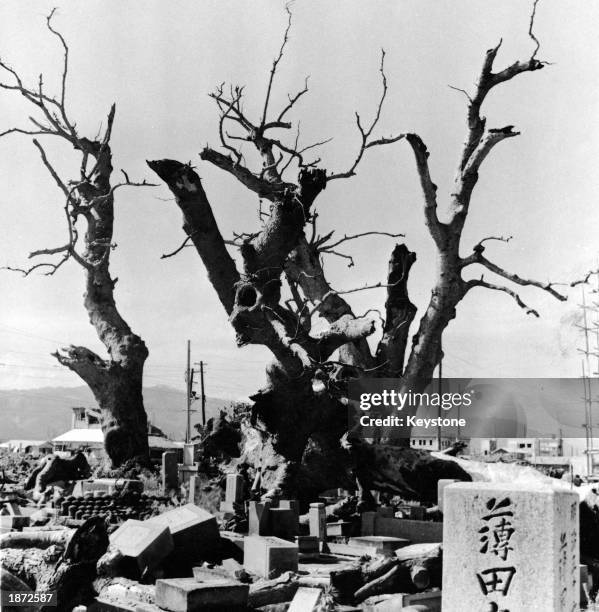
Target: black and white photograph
x=299 y=305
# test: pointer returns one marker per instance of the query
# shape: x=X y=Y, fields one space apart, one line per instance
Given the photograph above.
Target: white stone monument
x=510 y=548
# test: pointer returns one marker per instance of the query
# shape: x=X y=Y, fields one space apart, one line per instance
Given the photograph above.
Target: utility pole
x=189 y=393
x=203 y=393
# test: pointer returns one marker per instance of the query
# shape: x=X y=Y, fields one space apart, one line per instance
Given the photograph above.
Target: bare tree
x=116 y=382
x=303 y=405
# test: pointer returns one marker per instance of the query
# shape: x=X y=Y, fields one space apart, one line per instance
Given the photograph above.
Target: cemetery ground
x=194 y=537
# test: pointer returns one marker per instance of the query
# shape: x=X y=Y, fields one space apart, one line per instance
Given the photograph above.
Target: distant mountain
x=45 y=413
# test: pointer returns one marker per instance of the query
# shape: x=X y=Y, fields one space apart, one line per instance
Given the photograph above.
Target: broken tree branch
x=482 y=283
x=365 y=133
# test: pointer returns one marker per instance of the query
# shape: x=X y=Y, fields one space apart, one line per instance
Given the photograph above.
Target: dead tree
x=116 y=382
x=303 y=405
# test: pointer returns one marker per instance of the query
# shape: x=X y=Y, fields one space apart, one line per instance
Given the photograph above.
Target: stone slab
x=307 y=544
x=416 y=531
x=352 y=551
x=384 y=545
x=188 y=595
x=306 y=599
x=510 y=546
x=339 y=528
x=144 y=543
x=269 y=556
x=194 y=529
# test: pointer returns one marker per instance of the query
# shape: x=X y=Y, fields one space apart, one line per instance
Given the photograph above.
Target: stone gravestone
x=169 y=472
x=317 y=519
x=143 y=544
x=234 y=491
x=194 y=530
x=269 y=557
x=258 y=518
x=510 y=547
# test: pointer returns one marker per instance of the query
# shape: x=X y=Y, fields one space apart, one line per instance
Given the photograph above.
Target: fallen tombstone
x=143 y=545
x=194 y=530
x=269 y=556
x=188 y=595
x=306 y=599
x=490 y=531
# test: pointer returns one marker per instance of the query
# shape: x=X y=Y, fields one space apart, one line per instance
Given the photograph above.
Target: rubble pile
x=108 y=545
x=113 y=507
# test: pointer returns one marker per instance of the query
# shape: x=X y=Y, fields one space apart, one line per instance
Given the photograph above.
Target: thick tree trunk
x=116 y=382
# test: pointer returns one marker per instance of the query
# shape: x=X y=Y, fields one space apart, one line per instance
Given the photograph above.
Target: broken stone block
x=169 y=473
x=235 y=488
x=317 y=520
x=188 y=595
x=143 y=544
x=258 y=518
x=269 y=556
x=307 y=545
x=306 y=599
x=506 y=545
x=283 y=523
x=194 y=530
x=384 y=545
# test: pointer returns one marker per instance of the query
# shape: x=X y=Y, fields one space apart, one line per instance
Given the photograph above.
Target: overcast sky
x=158 y=61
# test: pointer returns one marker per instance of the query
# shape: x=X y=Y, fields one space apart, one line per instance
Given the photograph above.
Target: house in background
x=29 y=447
x=86 y=434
